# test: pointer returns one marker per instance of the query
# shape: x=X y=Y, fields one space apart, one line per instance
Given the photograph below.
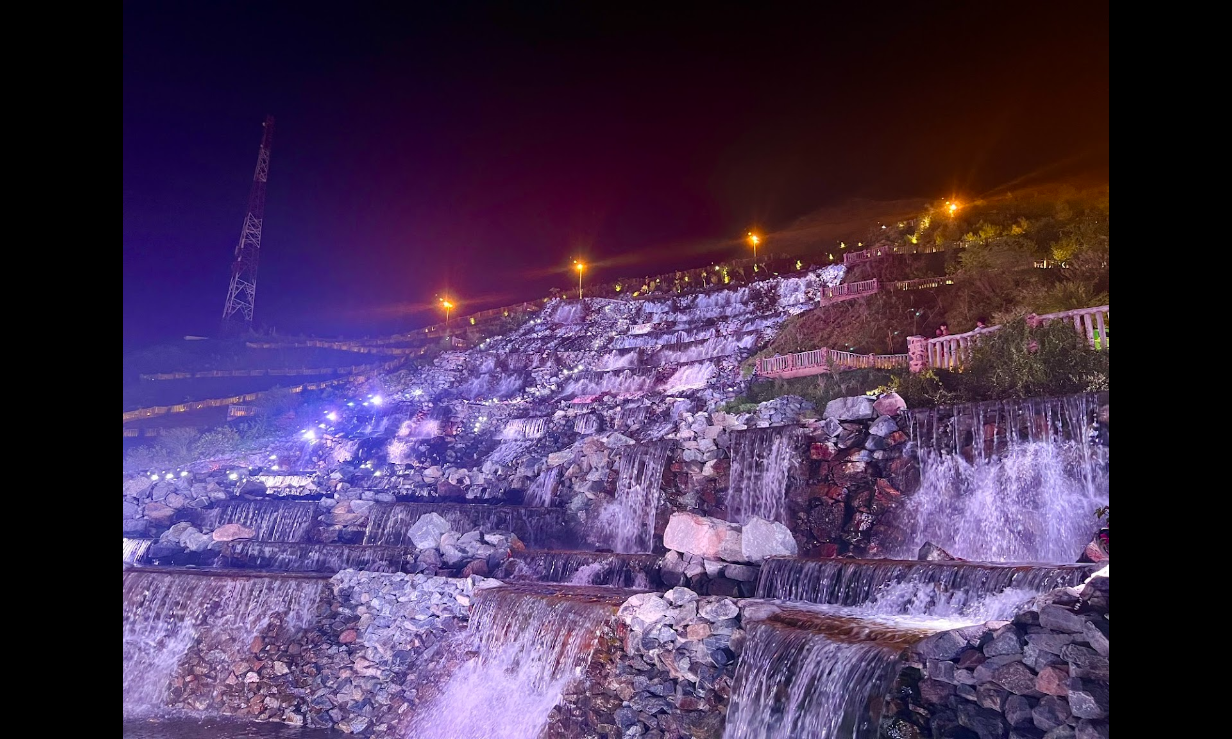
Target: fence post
x=917 y=353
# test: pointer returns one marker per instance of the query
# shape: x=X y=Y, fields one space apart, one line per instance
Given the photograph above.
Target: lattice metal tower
x=242 y=293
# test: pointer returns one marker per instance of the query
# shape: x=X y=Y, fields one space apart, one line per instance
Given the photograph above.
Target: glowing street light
x=952 y=207
x=754 y=239
x=580 y=268
x=448 y=306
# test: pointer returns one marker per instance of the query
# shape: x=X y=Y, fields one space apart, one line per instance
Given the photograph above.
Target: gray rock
x=742 y=573
x=1061 y=619
x=1085 y=662
x=930 y=552
x=1096 y=637
x=1088 y=729
x=984 y=672
x=1050 y=713
x=1005 y=640
x=762 y=538
x=679 y=596
x=1049 y=642
x=1018 y=710
x=717 y=609
x=990 y=695
x=195 y=541
x=986 y=723
x=1088 y=698
x=883 y=426
x=426 y=532
x=1015 y=677
x=857 y=408
x=945 y=645
x=707 y=537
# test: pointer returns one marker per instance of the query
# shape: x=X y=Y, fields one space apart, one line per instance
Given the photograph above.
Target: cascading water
x=630 y=520
x=389 y=524
x=623 y=382
x=587 y=424
x=587 y=568
x=804 y=674
x=277 y=556
x=1028 y=493
x=525 y=428
x=271 y=520
x=543 y=488
x=135 y=550
x=762 y=460
x=507 y=452
x=689 y=377
x=166 y=613
x=975 y=590
x=568 y=311
x=529 y=644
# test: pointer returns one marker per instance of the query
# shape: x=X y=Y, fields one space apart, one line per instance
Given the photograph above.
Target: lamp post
x=753 y=239
x=448 y=306
x=580 y=268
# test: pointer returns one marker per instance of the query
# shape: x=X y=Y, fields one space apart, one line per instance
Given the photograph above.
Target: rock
x=679 y=596
x=703 y=536
x=195 y=541
x=1091 y=730
x=762 y=538
x=935 y=691
x=1085 y=662
x=1050 y=713
x=426 y=532
x=1053 y=680
x=857 y=408
x=159 y=514
x=1005 y=641
x=1098 y=638
x=883 y=426
x=717 y=609
x=476 y=567
x=741 y=573
x=615 y=440
x=889 y=404
x=556 y=459
x=233 y=531
x=1018 y=710
x=348 y=636
x=930 y=552
x=985 y=722
x=1088 y=698
x=1061 y=732
x=671 y=569
x=1015 y=677
x=991 y=696
x=649 y=607
x=945 y=645
x=1057 y=618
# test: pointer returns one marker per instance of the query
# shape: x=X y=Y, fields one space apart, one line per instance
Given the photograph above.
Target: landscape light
x=184 y=473
x=332 y=416
x=376 y=400
x=233 y=476
x=154 y=478
x=309 y=435
x=169 y=476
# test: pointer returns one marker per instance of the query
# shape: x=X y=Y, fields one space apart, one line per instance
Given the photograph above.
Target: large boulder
x=761 y=538
x=856 y=408
x=706 y=537
x=426 y=532
x=889 y=404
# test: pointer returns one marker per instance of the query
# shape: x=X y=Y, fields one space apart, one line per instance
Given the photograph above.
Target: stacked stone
x=1043 y=675
x=717 y=557
x=377 y=640
x=781 y=411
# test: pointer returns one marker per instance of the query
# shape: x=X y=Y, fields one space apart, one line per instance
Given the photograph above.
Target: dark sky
x=478 y=148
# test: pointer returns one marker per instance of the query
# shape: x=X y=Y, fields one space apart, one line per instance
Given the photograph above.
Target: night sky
x=479 y=148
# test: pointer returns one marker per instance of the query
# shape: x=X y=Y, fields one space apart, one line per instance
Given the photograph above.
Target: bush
x=215 y=443
x=817 y=389
x=1018 y=361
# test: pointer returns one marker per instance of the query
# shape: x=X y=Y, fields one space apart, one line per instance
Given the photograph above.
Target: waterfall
x=389 y=524
x=974 y=590
x=762 y=460
x=616 y=360
x=543 y=488
x=507 y=452
x=629 y=416
x=811 y=675
x=167 y=613
x=497 y=386
x=689 y=377
x=630 y=521
x=587 y=424
x=272 y=520
x=1028 y=492
x=568 y=311
x=135 y=550
x=282 y=557
x=589 y=568
x=625 y=382
x=526 y=646
x=525 y=428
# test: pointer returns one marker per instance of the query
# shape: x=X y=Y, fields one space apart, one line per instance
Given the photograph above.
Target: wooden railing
x=924 y=283
x=816 y=361
x=851 y=289
x=277 y=372
x=950 y=352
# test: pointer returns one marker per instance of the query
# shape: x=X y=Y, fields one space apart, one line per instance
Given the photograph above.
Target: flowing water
x=272 y=520
x=630 y=521
x=588 y=568
x=975 y=590
x=818 y=673
x=282 y=557
x=135 y=550
x=761 y=463
x=689 y=377
x=167 y=612
x=1023 y=486
x=525 y=646
x=543 y=488
x=587 y=424
x=525 y=428
x=389 y=524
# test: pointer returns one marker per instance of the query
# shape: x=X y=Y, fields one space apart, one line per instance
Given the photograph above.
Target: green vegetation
x=1018 y=361
x=990 y=250
x=817 y=389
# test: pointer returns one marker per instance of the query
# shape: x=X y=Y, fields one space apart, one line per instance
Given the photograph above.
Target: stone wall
x=1043 y=675
x=350 y=670
x=664 y=669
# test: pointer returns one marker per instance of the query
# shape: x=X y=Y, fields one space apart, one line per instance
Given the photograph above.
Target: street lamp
x=580 y=268
x=448 y=306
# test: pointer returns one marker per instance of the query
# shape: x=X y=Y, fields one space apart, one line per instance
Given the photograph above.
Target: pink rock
x=1053 y=680
x=233 y=531
x=889 y=404
x=703 y=536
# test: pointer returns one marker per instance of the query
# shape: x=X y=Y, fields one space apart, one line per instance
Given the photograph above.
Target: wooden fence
x=949 y=352
x=277 y=372
x=817 y=361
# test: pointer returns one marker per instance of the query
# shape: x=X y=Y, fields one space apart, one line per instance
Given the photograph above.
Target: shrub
x=215 y=443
